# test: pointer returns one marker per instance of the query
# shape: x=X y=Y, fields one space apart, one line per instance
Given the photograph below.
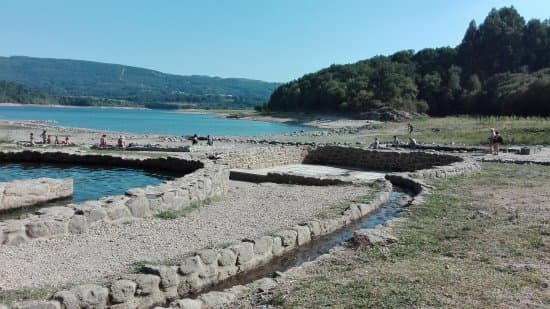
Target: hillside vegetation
x=75 y=78
x=500 y=68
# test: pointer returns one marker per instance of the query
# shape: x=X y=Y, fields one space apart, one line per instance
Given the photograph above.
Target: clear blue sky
x=269 y=40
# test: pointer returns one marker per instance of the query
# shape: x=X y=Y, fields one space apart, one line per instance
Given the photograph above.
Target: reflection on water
x=90 y=183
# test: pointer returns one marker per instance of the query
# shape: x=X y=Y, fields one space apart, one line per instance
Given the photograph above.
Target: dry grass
x=480 y=241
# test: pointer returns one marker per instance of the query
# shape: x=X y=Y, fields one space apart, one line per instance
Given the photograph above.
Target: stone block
x=227 y=257
x=168 y=274
x=263 y=285
x=277 y=248
x=78 y=224
x=289 y=237
x=37 y=228
x=67 y=299
x=226 y=272
x=315 y=228
x=208 y=256
x=118 y=212
x=122 y=291
x=303 y=234
x=244 y=252
x=263 y=245
x=139 y=207
x=190 y=265
x=91 y=296
x=146 y=284
x=373 y=237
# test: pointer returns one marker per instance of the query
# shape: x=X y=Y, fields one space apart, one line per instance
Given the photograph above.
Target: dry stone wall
x=29 y=192
x=208 y=180
x=384 y=160
x=268 y=156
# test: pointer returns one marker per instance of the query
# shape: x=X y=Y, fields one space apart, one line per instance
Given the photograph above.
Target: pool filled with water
x=90 y=183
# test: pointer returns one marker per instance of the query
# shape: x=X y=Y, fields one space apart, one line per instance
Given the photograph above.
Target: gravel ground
x=248 y=211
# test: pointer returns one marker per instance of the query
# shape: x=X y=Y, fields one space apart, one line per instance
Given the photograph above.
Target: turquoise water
x=90 y=183
x=145 y=121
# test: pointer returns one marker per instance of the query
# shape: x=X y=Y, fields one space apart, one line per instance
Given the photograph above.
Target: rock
x=37 y=228
x=277 y=246
x=190 y=265
x=227 y=258
x=139 y=207
x=92 y=211
x=373 y=237
x=263 y=245
x=67 y=300
x=303 y=234
x=146 y=284
x=29 y=192
x=187 y=303
x=91 y=296
x=118 y=212
x=217 y=299
x=56 y=211
x=168 y=275
x=314 y=227
x=78 y=224
x=263 y=285
x=208 y=256
x=52 y=304
x=288 y=237
x=244 y=252
x=122 y=291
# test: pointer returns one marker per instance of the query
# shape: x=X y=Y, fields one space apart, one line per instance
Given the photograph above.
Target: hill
x=499 y=68
x=76 y=78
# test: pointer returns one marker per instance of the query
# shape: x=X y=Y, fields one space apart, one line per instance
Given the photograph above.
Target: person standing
x=491 y=139
x=44 y=137
x=31 y=139
x=103 y=141
x=210 y=140
x=410 y=128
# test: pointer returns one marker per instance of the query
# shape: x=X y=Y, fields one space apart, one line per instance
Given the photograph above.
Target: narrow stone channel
x=316 y=247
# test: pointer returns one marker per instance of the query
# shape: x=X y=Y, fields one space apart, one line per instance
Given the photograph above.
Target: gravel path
x=249 y=210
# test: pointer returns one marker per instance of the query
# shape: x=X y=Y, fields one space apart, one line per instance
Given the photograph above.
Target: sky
x=278 y=40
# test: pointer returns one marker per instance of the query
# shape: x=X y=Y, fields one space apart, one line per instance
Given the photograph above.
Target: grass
x=457 y=130
x=466 y=246
x=174 y=214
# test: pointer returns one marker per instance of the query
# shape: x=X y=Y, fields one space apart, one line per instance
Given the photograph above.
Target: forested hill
x=502 y=66
x=75 y=78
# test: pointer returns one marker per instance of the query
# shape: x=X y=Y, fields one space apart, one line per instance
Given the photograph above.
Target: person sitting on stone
x=103 y=141
x=412 y=143
x=44 y=137
x=57 y=142
x=49 y=139
x=395 y=142
x=375 y=144
x=195 y=140
x=67 y=141
x=121 y=143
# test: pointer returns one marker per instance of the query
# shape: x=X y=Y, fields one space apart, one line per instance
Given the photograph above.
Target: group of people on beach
x=121 y=142
x=396 y=142
x=47 y=139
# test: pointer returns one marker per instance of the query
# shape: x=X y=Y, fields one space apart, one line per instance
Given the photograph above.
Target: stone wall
x=29 y=192
x=384 y=160
x=267 y=156
x=207 y=181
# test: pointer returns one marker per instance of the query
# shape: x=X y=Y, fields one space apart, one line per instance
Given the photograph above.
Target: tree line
x=501 y=67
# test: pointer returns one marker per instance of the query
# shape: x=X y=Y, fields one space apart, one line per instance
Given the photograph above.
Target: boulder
x=78 y=224
x=51 y=304
x=217 y=299
x=91 y=296
x=227 y=258
x=187 y=303
x=139 y=207
x=122 y=291
x=67 y=299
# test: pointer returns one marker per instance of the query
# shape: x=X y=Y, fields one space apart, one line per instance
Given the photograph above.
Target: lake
x=145 y=121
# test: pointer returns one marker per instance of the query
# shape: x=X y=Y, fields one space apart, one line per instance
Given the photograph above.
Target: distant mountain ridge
x=79 y=78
